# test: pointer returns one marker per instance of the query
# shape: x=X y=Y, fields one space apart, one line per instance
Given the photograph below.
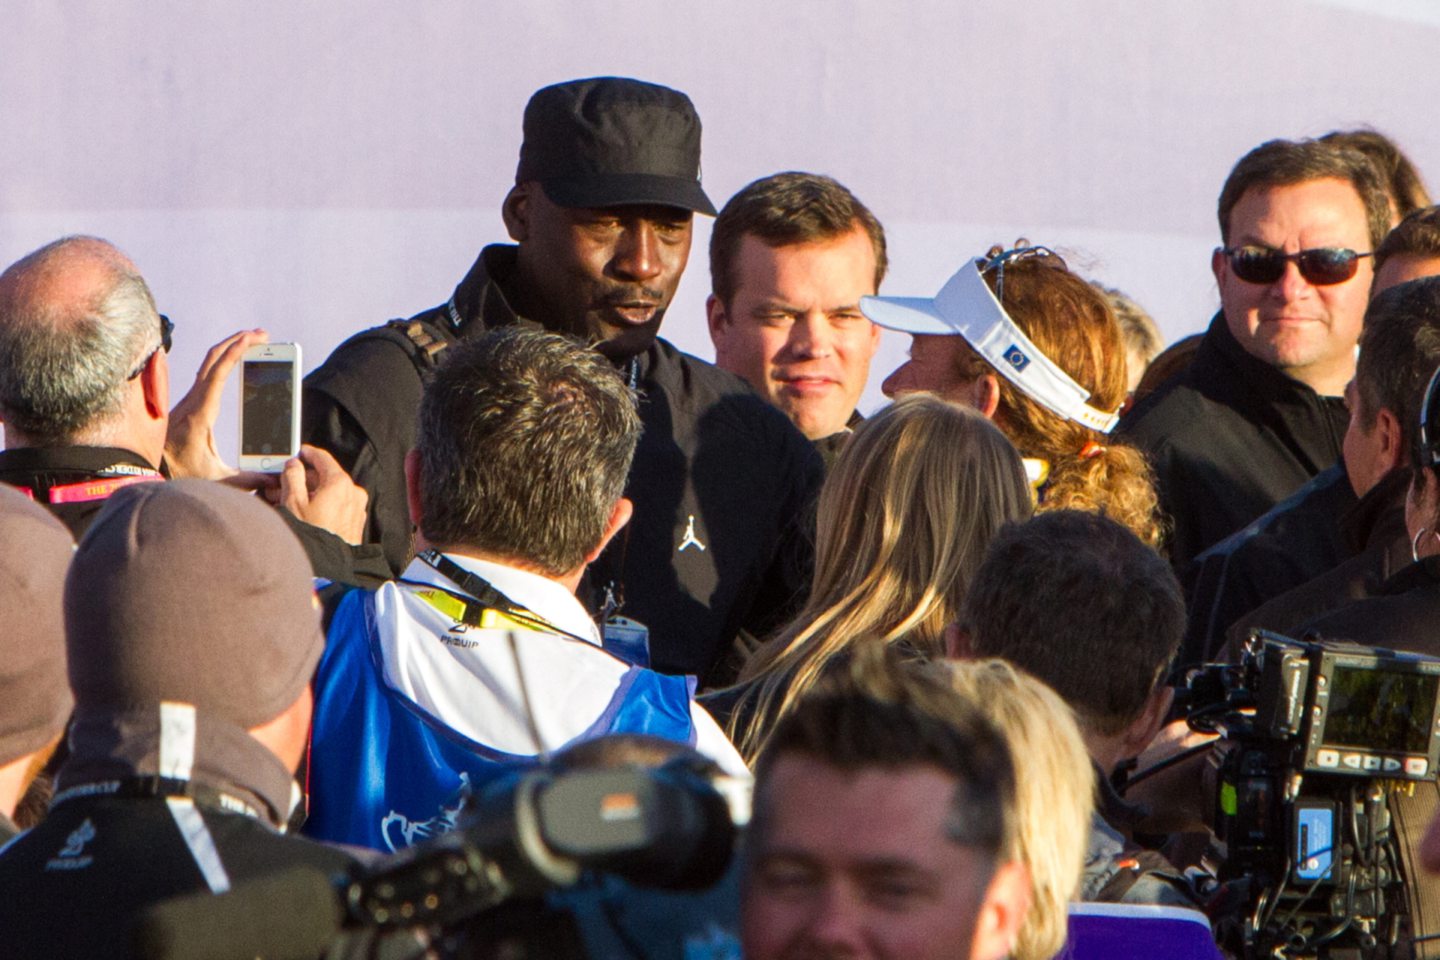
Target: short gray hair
x=63 y=366
x=525 y=442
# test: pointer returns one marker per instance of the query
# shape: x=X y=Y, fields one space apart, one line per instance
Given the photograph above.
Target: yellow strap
x=454 y=607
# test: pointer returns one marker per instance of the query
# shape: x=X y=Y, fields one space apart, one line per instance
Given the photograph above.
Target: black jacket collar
x=480 y=300
x=58 y=461
x=1222 y=367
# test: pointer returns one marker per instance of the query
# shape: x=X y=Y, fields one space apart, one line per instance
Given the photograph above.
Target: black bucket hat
x=613 y=141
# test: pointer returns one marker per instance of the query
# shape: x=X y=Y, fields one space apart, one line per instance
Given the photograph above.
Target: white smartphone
x=269 y=406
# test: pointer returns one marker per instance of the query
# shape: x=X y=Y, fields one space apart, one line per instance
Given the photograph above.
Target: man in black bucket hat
x=606 y=189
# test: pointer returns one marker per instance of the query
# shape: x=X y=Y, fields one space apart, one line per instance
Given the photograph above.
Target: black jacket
x=1376 y=546
x=73 y=885
x=713 y=455
x=1229 y=438
x=119 y=837
x=1401 y=615
x=73 y=483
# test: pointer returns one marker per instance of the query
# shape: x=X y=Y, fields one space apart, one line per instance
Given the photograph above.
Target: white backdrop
x=316 y=168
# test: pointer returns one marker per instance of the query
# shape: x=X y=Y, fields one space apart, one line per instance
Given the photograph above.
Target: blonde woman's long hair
x=904 y=520
x=1054 y=791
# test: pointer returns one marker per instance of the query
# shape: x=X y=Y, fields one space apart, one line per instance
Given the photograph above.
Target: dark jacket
x=1401 y=615
x=73 y=483
x=713 y=456
x=830 y=447
x=1376 y=548
x=118 y=838
x=1229 y=438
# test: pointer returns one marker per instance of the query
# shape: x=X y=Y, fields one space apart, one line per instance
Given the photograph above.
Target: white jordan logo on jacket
x=690 y=539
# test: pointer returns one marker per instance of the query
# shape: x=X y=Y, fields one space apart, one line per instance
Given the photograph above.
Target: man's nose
x=835 y=923
x=811 y=337
x=898 y=382
x=637 y=252
x=1292 y=284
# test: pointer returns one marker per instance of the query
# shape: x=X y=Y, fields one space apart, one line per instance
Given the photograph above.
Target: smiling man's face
x=1306 y=330
x=793 y=328
x=605 y=275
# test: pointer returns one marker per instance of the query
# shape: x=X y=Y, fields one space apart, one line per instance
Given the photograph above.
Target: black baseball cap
x=613 y=141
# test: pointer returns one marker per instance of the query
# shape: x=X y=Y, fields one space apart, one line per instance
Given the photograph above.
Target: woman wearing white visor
x=1035 y=348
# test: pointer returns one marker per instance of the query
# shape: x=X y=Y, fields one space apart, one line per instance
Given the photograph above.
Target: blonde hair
x=1074 y=326
x=905 y=517
x=1054 y=791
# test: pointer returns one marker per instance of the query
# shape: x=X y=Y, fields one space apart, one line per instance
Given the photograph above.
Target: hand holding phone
x=269 y=406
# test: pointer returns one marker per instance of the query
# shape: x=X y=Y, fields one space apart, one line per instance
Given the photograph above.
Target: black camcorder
x=478 y=891
x=1320 y=740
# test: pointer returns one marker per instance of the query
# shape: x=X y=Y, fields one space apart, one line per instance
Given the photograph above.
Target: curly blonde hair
x=1074 y=326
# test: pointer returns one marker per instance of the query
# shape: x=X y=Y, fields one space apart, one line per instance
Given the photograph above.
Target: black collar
x=79 y=461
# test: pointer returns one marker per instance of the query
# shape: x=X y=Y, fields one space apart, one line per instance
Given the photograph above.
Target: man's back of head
x=883 y=821
x=524 y=445
x=197 y=567
x=1410 y=251
x=790 y=257
x=1399 y=350
x=1067 y=592
x=76 y=320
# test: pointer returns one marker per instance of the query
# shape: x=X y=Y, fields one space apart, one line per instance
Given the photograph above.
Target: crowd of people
x=926 y=649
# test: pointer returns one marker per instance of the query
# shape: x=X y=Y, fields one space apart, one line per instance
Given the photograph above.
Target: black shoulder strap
x=427 y=339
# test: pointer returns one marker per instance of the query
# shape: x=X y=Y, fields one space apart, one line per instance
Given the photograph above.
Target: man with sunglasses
x=85 y=400
x=1260 y=410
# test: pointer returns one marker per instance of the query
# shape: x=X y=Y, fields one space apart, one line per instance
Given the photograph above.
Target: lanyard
x=144 y=788
x=483 y=599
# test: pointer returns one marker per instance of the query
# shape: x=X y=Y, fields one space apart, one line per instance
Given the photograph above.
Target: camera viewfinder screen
x=267 y=398
x=1381 y=710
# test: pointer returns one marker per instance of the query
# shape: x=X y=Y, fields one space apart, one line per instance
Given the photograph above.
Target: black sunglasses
x=167 y=330
x=1321 y=266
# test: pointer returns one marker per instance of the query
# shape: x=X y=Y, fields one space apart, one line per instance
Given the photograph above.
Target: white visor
x=966 y=306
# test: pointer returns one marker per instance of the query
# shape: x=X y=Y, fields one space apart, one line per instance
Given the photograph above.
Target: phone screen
x=268 y=398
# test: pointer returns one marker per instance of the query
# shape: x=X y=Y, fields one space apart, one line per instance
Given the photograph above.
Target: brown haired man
x=480 y=658
x=1055 y=596
x=790 y=257
x=883 y=828
x=1259 y=411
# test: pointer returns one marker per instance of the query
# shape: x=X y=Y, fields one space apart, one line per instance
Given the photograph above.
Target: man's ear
x=1392 y=449
x=997 y=924
x=515 y=211
x=985 y=394
x=155 y=386
x=716 y=319
x=619 y=516
x=412 y=486
x=1219 y=265
x=1143 y=728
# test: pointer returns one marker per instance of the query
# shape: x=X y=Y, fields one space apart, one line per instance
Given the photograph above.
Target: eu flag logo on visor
x=1016 y=358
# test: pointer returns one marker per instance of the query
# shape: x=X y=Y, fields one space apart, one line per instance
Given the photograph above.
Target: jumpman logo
x=690 y=539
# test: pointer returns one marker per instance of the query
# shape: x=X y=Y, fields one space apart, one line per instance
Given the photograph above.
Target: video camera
x=479 y=890
x=1318 y=738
